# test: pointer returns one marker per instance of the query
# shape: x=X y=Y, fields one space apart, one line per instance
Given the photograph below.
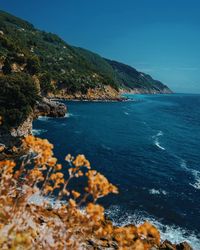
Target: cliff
x=10 y=137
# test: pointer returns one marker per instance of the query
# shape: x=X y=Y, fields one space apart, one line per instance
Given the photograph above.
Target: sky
x=158 y=37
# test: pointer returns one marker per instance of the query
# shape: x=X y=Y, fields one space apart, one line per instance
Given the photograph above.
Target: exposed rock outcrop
x=23 y=129
x=102 y=244
x=50 y=108
x=10 y=138
x=103 y=93
x=167 y=245
x=146 y=91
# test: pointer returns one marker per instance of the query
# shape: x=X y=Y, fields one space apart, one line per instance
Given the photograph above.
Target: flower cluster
x=98 y=185
x=75 y=218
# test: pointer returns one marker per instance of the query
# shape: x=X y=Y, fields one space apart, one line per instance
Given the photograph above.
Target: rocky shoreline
x=103 y=244
x=10 y=139
x=146 y=91
x=105 y=94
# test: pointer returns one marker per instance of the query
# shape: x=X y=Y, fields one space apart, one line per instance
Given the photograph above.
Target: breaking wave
x=156 y=140
x=157 y=191
x=67 y=115
x=43 y=118
x=195 y=173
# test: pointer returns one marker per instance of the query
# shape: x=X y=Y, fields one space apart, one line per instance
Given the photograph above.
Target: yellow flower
x=81 y=161
x=98 y=185
x=96 y=212
x=75 y=194
x=72 y=203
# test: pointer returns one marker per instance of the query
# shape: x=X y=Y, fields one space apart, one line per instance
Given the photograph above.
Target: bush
x=18 y=94
x=45 y=83
x=6 y=67
x=25 y=225
x=33 y=65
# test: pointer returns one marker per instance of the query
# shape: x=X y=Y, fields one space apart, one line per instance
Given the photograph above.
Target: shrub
x=18 y=94
x=25 y=225
x=45 y=83
x=6 y=67
x=33 y=65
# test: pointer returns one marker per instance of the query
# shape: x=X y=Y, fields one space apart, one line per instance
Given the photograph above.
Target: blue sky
x=159 y=37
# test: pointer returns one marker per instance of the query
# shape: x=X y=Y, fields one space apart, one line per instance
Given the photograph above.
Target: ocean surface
x=149 y=147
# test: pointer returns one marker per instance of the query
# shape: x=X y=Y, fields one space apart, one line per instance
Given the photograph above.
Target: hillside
x=129 y=78
x=61 y=66
x=42 y=64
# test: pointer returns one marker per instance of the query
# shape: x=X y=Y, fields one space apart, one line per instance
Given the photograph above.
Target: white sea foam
x=36 y=132
x=156 y=140
x=157 y=191
x=195 y=173
x=172 y=233
x=67 y=115
x=43 y=118
x=183 y=164
x=160 y=133
x=157 y=143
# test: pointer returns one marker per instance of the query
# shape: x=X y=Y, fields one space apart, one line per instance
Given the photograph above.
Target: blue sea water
x=149 y=147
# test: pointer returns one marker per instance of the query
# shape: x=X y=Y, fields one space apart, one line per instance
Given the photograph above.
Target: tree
x=18 y=95
x=6 y=67
x=45 y=83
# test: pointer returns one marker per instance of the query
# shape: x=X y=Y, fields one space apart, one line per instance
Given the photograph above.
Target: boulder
x=183 y=246
x=50 y=108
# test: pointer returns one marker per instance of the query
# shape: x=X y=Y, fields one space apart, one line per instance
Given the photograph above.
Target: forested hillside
x=35 y=63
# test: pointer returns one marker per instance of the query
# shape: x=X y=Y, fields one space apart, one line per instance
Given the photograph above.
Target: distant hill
x=129 y=77
x=58 y=69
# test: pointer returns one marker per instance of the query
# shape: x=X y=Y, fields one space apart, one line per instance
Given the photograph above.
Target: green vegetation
x=129 y=77
x=18 y=94
x=46 y=54
x=48 y=61
x=74 y=69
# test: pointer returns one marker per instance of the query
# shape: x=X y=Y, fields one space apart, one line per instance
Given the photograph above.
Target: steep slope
x=129 y=78
x=59 y=67
x=49 y=66
x=56 y=64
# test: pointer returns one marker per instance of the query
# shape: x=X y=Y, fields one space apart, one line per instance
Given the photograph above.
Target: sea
x=149 y=147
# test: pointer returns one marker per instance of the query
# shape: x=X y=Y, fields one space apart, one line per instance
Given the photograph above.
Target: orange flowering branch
x=26 y=225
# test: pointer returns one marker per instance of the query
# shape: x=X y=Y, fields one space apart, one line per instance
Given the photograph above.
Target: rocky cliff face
x=94 y=94
x=146 y=91
x=10 y=139
x=23 y=129
x=112 y=245
x=50 y=108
